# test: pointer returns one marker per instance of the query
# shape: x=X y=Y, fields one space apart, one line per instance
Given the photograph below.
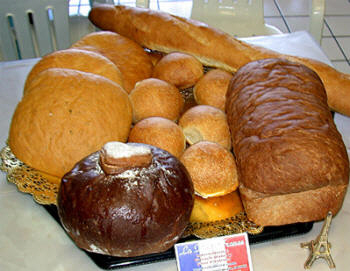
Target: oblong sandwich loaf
x=291 y=160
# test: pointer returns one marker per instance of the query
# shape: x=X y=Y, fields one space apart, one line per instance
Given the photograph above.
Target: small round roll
x=216 y=208
x=212 y=87
x=204 y=122
x=159 y=132
x=156 y=98
x=212 y=169
x=181 y=70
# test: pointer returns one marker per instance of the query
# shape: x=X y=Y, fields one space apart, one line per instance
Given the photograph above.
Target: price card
x=215 y=254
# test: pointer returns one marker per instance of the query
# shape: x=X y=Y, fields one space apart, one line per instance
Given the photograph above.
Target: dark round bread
x=139 y=211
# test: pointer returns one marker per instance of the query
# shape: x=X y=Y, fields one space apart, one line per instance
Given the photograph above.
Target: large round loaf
x=292 y=162
x=133 y=62
x=75 y=59
x=65 y=116
x=139 y=210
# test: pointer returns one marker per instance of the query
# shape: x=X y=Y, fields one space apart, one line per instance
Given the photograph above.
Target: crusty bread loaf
x=181 y=70
x=65 y=116
x=133 y=62
x=75 y=59
x=205 y=122
x=168 y=33
x=160 y=132
x=212 y=169
x=292 y=162
x=153 y=97
x=141 y=210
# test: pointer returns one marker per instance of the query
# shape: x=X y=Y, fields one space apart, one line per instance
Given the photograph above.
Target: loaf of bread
x=75 y=59
x=129 y=208
x=133 y=62
x=66 y=115
x=291 y=160
x=164 y=32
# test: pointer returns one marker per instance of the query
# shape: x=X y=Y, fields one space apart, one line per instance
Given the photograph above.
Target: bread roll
x=156 y=98
x=204 y=122
x=212 y=87
x=65 y=116
x=168 y=33
x=216 y=208
x=133 y=62
x=141 y=210
x=181 y=70
x=292 y=162
x=160 y=132
x=212 y=169
x=76 y=59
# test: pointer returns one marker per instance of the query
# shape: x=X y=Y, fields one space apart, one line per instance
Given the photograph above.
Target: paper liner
x=42 y=186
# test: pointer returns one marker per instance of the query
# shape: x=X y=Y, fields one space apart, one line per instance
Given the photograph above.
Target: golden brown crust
x=212 y=169
x=284 y=138
x=65 y=116
x=181 y=70
x=216 y=208
x=133 y=62
x=212 y=87
x=159 y=132
x=153 y=97
x=76 y=59
x=168 y=33
x=304 y=206
x=204 y=122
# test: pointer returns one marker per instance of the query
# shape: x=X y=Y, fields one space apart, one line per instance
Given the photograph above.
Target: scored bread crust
x=285 y=142
x=167 y=33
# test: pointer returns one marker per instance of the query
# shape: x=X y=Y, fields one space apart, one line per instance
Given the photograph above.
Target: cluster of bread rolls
x=107 y=89
x=164 y=32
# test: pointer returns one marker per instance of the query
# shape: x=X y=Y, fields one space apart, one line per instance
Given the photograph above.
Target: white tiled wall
x=287 y=15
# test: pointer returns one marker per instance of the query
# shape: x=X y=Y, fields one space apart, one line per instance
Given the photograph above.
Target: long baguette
x=164 y=32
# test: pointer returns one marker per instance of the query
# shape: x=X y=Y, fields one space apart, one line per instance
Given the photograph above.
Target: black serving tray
x=111 y=262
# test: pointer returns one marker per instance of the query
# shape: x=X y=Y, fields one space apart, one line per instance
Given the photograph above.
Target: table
x=30 y=239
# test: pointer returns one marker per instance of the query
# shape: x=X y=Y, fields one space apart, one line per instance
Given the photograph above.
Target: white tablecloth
x=30 y=239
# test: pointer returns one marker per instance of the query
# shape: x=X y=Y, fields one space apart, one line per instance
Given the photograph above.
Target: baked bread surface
x=286 y=143
x=66 y=115
x=139 y=211
x=167 y=33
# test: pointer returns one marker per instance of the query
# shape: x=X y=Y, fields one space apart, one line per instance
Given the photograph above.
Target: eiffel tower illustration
x=320 y=247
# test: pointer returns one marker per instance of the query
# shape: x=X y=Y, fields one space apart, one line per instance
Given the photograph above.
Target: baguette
x=167 y=33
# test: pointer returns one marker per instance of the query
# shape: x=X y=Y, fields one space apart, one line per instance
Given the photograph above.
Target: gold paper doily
x=237 y=224
x=42 y=186
x=44 y=189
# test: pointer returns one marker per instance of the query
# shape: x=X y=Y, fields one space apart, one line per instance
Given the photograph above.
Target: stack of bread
x=108 y=109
